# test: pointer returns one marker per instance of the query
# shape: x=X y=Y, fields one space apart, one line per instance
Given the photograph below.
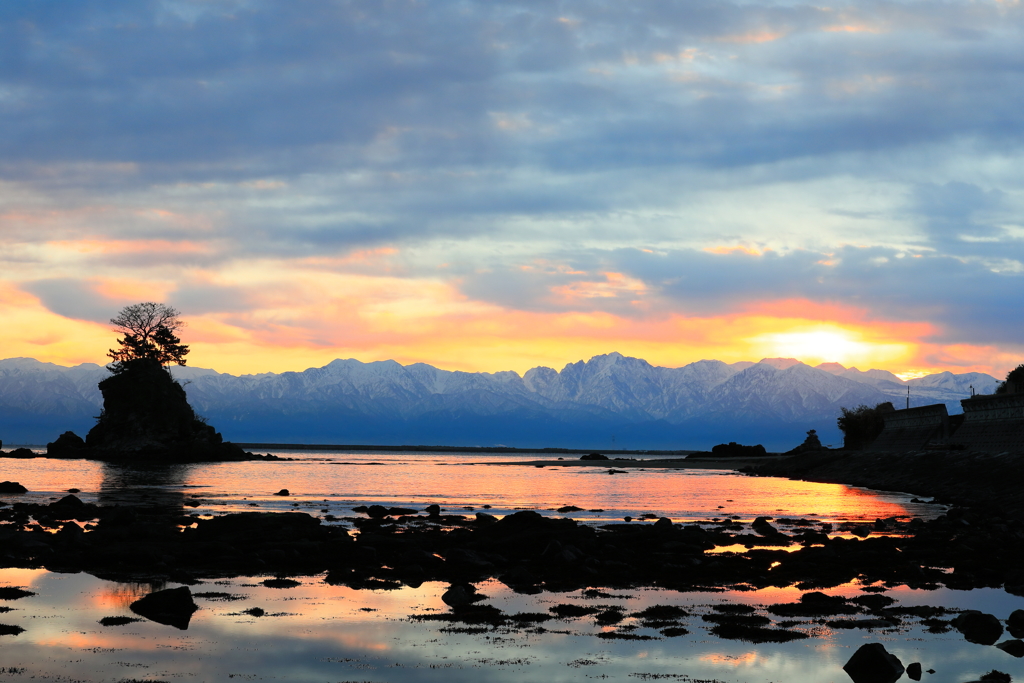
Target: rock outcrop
x=146 y=416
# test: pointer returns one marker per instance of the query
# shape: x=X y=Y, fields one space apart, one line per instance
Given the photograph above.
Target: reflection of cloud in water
x=327 y=635
x=745 y=659
x=117 y=596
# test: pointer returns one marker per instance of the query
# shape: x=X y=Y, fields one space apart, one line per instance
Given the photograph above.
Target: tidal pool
x=314 y=631
x=317 y=632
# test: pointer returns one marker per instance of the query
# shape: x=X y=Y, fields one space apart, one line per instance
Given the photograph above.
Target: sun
x=829 y=344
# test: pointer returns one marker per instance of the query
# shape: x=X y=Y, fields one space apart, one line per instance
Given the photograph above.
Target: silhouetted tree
x=1014 y=381
x=862 y=425
x=148 y=330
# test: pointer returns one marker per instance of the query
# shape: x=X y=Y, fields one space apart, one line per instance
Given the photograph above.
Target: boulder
x=12 y=487
x=172 y=607
x=377 y=512
x=762 y=526
x=146 y=416
x=872 y=663
x=914 y=671
x=1014 y=648
x=736 y=450
x=459 y=595
x=67 y=444
x=594 y=456
x=433 y=510
x=283 y=492
x=978 y=627
x=1015 y=622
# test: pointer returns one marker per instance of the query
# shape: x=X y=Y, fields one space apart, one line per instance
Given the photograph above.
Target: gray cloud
x=574 y=132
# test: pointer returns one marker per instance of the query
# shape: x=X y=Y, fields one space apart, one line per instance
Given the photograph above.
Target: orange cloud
x=752 y=37
x=108 y=246
x=300 y=318
x=852 y=28
x=739 y=248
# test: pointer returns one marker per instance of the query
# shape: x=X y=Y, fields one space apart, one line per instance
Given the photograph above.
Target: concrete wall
x=993 y=423
x=911 y=429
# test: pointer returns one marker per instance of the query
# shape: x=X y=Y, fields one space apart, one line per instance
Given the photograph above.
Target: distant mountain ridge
x=610 y=401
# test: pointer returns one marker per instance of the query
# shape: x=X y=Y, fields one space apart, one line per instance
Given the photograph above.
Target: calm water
x=317 y=632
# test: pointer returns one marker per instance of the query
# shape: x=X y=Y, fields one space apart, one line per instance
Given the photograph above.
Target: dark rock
x=733 y=449
x=12 y=487
x=762 y=526
x=281 y=583
x=283 y=492
x=914 y=671
x=377 y=512
x=872 y=663
x=996 y=677
x=118 y=621
x=173 y=607
x=569 y=508
x=9 y=630
x=594 y=456
x=570 y=611
x=69 y=501
x=755 y=634
x=1015 y=623
x=433 y=510
x=459 y=595
x=873 y=601
x=811 y=443
x=609 y=617
x=66 y=445
x=483 y=518
x=862 y=531
x=978 y=627
x=1014 y=648
x=22 y=453
x=14 y=593
x=663 y=525
x=146 y=416
x=260 y=527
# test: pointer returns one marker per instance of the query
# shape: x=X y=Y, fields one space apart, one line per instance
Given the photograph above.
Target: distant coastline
x=452 y=449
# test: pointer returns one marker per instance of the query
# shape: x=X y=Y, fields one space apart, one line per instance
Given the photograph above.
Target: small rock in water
x=994 y=676
x=978 y=627
x=914 y=671
x=872 y=663
x=459 y=595
x=1014 y=648
x=173 y=607
x=283 y=492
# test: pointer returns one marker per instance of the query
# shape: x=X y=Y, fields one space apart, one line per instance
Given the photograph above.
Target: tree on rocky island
x=148 y=335
x=146 y=414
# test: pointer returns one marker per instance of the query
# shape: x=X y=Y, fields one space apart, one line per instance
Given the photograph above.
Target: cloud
x=603 y=159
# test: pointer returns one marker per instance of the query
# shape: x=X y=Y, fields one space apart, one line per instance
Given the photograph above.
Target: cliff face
x=146 y=415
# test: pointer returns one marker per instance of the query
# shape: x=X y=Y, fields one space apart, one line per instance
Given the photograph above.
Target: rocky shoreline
x=963 y=549
x=989 y=483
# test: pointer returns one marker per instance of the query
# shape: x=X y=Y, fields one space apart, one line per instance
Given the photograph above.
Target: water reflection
x=157 y=486
x=317 y=632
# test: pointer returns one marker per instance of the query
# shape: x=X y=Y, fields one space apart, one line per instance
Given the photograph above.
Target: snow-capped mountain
x=610 y=401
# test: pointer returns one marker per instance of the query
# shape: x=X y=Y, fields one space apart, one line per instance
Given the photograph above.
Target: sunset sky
x=489 y=185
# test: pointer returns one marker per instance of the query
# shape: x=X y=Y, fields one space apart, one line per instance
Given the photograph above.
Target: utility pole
x=908 y=398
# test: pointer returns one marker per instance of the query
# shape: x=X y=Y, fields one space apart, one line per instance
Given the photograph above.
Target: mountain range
x=609 y=402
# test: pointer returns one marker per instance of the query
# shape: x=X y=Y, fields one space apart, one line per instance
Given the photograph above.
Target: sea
x=313 y=631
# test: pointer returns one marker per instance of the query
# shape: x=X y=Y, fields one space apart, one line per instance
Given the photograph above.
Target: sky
x=495 y=185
